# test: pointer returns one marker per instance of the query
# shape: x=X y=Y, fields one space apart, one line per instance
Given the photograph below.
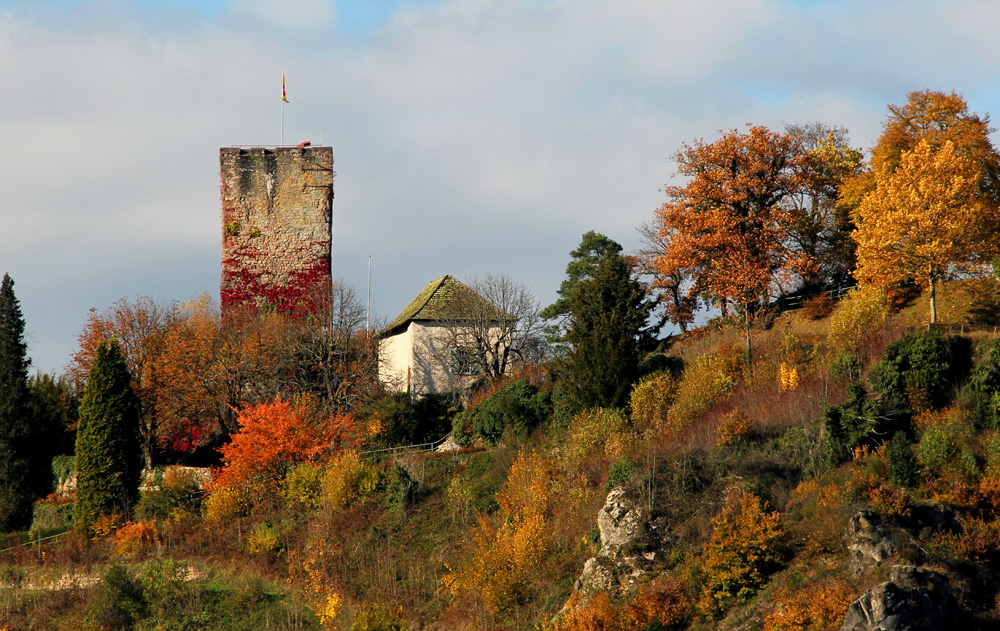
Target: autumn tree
x=818 y=228
x=727 y=226
x=273 y=437
x=677 y=292
x=108 y=453
x=744 y=549
x=937 y=118
x=15 y=425
x=925 y=221
x=210 y=369
x=965 y=180
x=140 y=328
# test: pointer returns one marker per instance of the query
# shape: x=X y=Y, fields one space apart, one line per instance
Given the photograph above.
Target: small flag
x=284 y=97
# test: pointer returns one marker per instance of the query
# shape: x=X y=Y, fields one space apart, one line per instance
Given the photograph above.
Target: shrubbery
x=705 y=382
x=856 y=318
x=520 y=406
x=981 y=393
x=651 y=399
x=916 y=373
x=744 y=549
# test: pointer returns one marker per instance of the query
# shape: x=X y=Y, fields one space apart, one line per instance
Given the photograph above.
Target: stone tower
x=276 y=229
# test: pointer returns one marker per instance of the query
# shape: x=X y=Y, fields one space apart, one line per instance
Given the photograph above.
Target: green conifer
x=108 y=452
x=15 y=427
x=606 y=332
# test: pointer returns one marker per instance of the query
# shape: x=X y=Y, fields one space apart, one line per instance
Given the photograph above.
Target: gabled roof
x=445 y=300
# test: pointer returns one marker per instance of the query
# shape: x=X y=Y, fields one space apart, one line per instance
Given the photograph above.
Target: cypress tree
x=606 y=330
x=15 y=427
x=108 y=451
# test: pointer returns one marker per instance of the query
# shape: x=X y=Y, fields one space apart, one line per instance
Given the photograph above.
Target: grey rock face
x=869 y=542
x=621 y=521
x=914 y=599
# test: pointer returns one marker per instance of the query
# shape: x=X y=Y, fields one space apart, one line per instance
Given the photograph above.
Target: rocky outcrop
x=868 y=541
x=630 y=545
x=621 y=521
x=914 y=599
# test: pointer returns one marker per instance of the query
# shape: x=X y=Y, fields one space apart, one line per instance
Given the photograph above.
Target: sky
x=469 y=136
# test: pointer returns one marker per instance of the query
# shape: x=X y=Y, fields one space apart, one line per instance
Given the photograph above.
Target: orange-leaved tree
x=727 y=227
x=937 y=118
x=210 y=369
x=275 y=436
x=926 y=220
x=140 y=329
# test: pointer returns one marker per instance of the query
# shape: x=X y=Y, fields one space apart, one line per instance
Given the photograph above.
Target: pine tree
x=593 y=248
x=15 y=428
x=108 y=452
x=606 y=330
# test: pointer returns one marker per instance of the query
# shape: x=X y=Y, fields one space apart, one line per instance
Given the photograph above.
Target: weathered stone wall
x=276 y=228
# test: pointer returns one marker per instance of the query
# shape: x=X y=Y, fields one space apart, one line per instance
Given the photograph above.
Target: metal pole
x=368 y=318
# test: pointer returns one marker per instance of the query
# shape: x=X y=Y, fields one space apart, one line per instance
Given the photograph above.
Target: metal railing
x=409 y=449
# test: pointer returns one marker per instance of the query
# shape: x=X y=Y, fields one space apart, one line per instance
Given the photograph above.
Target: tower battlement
x=277 y=208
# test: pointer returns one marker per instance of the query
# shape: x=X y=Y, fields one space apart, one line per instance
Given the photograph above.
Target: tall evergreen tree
x=108 y=451
x=593 y=248
x=607 y=328
x=15 y=426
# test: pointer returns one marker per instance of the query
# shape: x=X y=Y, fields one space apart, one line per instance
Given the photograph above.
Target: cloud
x=303 y=15
x=469 y=135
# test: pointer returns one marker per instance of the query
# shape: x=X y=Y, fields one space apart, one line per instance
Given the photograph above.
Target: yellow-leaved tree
x=925 y=220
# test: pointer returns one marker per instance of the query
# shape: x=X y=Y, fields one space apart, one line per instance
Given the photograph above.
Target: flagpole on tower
x=284 y=99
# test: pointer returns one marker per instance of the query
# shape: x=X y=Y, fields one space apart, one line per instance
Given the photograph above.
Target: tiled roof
x=444 y=300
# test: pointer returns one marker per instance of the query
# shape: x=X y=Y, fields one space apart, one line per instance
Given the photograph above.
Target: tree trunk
x=746 y=328
x=933 y=302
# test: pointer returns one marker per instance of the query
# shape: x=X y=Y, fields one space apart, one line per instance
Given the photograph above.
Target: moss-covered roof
x=445 y=300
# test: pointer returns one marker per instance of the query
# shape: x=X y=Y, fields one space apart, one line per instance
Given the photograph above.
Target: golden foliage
x=706 y=381
x=734 y=428
x=925 y=220
x=788 y=377
x=328 y=610
x=526 y=492
x=346 y=479
x=303 y=485
x=815 y=607
x=651 y=399
x=744 y=548
x=134 y=537
x=500 y=569
x=265 y=539
x=226 y=503
x=863 y=311
x=506 y=554
x=602 y=432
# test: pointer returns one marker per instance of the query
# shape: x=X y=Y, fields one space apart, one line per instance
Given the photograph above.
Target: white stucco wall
x=420 y=358
x=396 y=361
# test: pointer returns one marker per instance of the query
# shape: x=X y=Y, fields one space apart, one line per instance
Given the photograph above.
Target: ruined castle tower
x=276 y=229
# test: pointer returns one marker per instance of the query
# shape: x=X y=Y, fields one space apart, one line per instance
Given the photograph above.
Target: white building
x=422 y=350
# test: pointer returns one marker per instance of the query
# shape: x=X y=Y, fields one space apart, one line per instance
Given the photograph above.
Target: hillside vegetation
x=748 y=484
x=822 y=453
